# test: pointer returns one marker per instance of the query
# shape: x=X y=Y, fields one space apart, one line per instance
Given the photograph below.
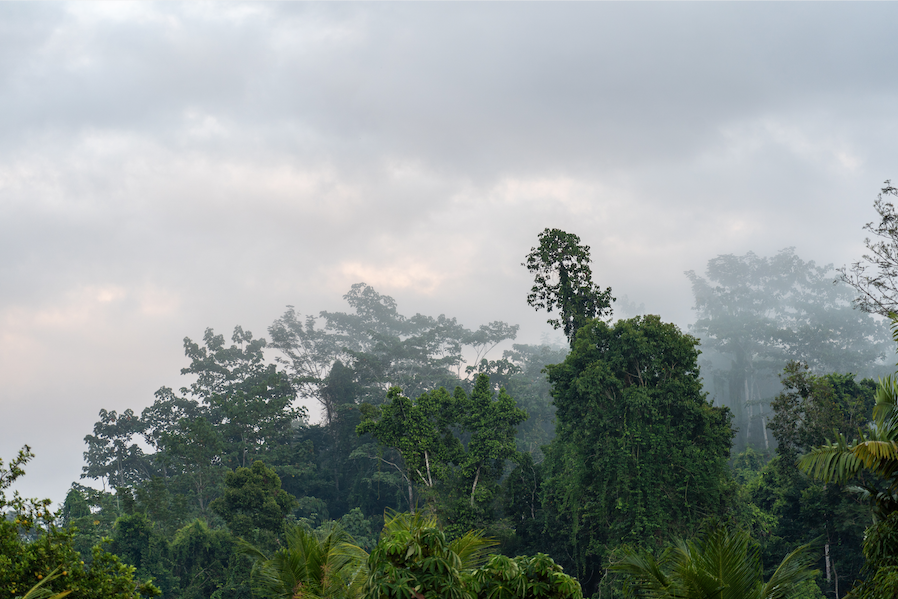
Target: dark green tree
x=490 y=421
x=253 y=504
x=794 y=509
x=33 y=547
x=563 y=281
x=112 y=454
x=209 y=563
x=420 y=431
x=249 y=400
x=871 y=461
x=640 y=454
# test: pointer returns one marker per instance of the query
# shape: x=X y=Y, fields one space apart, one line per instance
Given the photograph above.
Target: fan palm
x=722 y=565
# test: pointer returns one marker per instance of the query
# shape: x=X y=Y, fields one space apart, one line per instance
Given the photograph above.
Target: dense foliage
x=35 y=550
x=440 y=470
x=640 y=454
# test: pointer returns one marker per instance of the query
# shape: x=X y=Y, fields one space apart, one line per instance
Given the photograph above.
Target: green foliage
x=136 y=543
x=347 y=359
x=782 y=507
x=249 y=401
x=875 y=451
x=427 y=433
x=873 y=454
x=111 y=453
x=532 y=392
x=523 y=577
x=253 y=504
x=563 y=281
x=380 y=346
x=811 y=409
x=311 y=564
x=209 y=564
x=639 y=453
x=722 y=564
x=415 y=559
x=33 y=548
x=881 y=555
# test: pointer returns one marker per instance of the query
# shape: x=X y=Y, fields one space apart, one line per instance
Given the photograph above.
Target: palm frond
x=794 y=569
x=835 y=462
x=473 y=549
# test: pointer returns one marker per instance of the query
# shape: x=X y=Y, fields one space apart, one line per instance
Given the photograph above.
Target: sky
x=170 y=167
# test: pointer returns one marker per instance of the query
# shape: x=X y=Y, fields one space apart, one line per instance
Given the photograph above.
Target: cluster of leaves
x=562 y=281
x=462 y=478
x=38 y=558
x=414 y=558
x=723 y=563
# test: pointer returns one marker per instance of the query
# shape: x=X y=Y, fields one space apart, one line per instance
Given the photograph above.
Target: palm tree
x=413 y=559
x=39 y=592
x=875 y=451
x=311 y=565
x=722 y=565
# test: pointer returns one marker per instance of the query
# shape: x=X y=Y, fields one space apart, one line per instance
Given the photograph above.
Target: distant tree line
x=441 y=470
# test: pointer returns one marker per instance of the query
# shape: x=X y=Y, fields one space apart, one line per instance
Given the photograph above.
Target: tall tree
x=491 y=420
x=382 y=347
x=639 y=454
x=112 y=454
x=754 y=314
x=563 y=281
x=875 y=276
x=420 y=431
x=249 y=400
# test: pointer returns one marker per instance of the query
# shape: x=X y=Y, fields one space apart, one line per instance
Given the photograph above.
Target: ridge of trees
x=596 y=455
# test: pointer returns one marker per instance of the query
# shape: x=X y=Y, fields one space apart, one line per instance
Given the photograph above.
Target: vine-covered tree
x=640 y=454
x=563 y=282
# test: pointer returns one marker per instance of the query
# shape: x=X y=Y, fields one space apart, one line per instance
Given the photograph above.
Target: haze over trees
x=441 y=469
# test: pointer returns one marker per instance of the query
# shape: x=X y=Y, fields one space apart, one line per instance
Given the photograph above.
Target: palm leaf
x=793 y=570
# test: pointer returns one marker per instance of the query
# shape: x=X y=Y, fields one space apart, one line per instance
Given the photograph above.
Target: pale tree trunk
x=474 y=487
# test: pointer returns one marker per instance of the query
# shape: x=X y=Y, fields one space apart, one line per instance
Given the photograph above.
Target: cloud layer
x=169 y=167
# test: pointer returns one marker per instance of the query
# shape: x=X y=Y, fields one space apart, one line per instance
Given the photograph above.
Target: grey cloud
x=193 y=165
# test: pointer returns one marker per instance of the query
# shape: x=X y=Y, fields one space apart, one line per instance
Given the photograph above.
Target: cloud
x=168 y=167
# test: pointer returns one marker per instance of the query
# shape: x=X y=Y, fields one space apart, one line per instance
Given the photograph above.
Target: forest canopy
x=440 y=468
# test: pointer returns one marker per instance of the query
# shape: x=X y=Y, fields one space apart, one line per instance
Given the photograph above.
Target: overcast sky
x=170 y=167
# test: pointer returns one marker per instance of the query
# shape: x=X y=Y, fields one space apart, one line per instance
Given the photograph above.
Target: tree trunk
x=474 y=487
